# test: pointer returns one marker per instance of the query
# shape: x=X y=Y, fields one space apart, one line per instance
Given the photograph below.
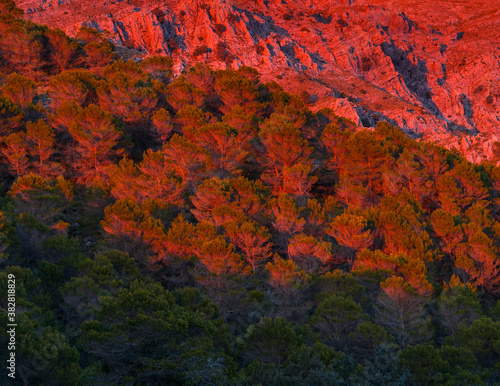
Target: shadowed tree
x=11 y=117
x=335 y=318
x=402 y=313
x=64 y=51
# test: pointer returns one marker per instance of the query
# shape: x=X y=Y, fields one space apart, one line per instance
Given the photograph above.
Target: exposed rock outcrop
x=431 y=67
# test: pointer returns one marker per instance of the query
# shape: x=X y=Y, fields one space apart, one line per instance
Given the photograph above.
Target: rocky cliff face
x=430 y=67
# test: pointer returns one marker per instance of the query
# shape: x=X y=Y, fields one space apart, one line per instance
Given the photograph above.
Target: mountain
x=430 y=67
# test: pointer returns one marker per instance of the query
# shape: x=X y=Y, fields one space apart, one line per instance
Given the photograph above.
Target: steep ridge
x=430 y=67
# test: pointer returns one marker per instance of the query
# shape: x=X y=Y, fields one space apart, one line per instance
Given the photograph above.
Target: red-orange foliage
x=62 y=117
x=309 y=253
x=287 y=216
x=40 y=141
x=157 y=181
x=364 y=160
x=96 y=140
x=99 y=54
x=162 y=122
x=181 y=93
x=351 y=194
x=285 y=275
x=20 y=89
x=252 y=240
x=123 y=180
x=460 y=188
x=235 y=90
x=21 y=47
x=15 y=152
x=413 y=270
x=64 y=52
x=222 y=143
x=210 y=195
x=135 y=228
x=220 y=261
x=122 y=96
x=187 y=159
x=285 y=148
x=71 y=86
x=179 y=238
x=478 y=257
x=351 y=231
x=334 y=140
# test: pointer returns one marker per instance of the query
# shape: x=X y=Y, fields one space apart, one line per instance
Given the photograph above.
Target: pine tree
x=402 y=313
x=221 y=262
x=21 y=46
x=235 y=90
x=20 y=89
x=287 y=220
x=96 y=141
x=124 y=180
x=157 y=181
x=162 y=122
x=64 y=52
x=351 y=231
x=285 y=148
x=15 y=152
x=75 y=86
x=285 y=276
x=181 y=93
x=252 y=240
x=210 y=195
x=40 y=140
x=309 y=253
x=158 y=67
x=222 y=143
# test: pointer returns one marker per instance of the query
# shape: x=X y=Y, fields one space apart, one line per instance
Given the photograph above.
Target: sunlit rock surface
x=430 y=67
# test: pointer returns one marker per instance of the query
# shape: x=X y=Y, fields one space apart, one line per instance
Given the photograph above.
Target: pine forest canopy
x=211 y=229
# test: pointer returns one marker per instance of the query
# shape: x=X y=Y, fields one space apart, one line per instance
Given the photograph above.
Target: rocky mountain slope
x=430 y=67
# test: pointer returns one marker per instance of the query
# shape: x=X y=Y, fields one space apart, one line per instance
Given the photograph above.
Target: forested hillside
x=211 y=229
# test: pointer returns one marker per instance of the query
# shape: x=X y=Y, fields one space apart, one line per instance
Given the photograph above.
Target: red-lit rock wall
x=431 y=67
